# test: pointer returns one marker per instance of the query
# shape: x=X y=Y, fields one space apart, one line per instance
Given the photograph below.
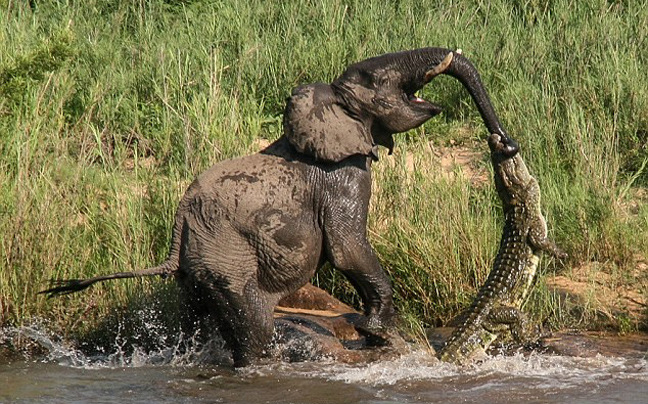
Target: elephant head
x=375 y=98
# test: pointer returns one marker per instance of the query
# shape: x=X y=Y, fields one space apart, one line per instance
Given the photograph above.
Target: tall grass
x=108 y=110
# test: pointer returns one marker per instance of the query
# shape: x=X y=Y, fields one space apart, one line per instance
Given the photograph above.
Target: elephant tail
x=64 y=287
x=167 y=268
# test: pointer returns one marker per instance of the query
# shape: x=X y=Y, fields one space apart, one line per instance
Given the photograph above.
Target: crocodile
x=496 y=311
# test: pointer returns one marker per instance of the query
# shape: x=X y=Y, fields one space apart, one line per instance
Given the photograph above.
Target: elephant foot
x=380 y=336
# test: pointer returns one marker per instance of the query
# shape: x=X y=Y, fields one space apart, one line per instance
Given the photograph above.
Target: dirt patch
x=463 y=161
x=451 y=163
x=617 y=298
x=260 y=144
x=632 y=201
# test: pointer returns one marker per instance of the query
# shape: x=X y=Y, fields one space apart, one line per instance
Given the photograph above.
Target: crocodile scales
x=496 y=311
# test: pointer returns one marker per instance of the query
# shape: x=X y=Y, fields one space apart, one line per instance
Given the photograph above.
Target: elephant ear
x=319 y=127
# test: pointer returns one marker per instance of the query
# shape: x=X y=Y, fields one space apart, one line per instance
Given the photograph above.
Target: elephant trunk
x=446 y=61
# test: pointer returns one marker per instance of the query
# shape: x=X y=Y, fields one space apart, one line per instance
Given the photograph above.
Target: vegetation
x=109 y=109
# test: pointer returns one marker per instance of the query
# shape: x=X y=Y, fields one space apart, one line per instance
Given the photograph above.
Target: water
x=172 y=375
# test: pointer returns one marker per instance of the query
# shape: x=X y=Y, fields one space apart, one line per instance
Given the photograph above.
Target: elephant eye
x=383 y=81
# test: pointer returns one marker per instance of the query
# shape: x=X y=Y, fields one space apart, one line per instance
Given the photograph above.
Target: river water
x=172 y=375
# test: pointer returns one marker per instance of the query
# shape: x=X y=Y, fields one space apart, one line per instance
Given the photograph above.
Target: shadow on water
x=179 y=372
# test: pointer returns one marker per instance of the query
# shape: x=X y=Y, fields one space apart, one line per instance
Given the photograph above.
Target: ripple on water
x=414 y=377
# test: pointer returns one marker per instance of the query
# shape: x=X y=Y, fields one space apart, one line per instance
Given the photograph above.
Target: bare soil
x=616 y=297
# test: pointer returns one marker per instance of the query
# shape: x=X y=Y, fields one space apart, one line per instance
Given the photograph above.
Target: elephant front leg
x=347 y=247
x=360 y=266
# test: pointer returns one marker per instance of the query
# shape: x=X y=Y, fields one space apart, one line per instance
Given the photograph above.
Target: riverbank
x=311 y=325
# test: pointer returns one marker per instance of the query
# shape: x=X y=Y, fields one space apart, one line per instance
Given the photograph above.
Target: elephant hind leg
x=218 y=269
x=254 y=327
x=244 y=321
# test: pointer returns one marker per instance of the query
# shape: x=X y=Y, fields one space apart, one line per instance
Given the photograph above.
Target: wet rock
x=303 y=338
x=311 y=324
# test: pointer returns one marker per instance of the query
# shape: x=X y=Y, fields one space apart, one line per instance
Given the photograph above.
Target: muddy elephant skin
x=251 y=230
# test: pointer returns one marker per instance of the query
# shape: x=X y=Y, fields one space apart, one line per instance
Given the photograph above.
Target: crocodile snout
x=503 y=144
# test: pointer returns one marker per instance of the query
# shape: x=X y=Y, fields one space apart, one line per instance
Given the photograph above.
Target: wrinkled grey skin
x=250 y=231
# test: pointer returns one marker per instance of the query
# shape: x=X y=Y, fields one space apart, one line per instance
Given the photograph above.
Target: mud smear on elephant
x=231 y=249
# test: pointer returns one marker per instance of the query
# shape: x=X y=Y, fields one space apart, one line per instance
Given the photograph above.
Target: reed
x=108 y=110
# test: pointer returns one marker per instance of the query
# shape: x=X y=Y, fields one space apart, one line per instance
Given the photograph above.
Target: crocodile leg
x=496 y=310
x=507 y=317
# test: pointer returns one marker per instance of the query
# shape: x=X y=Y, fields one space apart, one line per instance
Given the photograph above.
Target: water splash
x=152 y=346
x=35 y=337
x=540 y=370
x=176 y=363
x=419 y=377
x=534 y=371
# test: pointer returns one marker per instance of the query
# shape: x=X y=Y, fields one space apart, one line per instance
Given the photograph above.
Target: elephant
x=251 y=230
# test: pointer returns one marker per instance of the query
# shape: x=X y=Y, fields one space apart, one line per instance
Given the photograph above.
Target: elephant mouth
x=413 y=98
x=427 y=77
x=421 y=103
x=441 y=67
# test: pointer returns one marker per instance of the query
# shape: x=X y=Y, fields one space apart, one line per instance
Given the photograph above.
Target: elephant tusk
x=440 y=68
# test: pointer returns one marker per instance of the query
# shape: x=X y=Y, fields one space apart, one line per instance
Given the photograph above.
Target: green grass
x=108 y=111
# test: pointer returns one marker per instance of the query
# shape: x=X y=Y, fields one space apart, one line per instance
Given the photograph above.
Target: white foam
x=538 y=371
x=542 y=371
